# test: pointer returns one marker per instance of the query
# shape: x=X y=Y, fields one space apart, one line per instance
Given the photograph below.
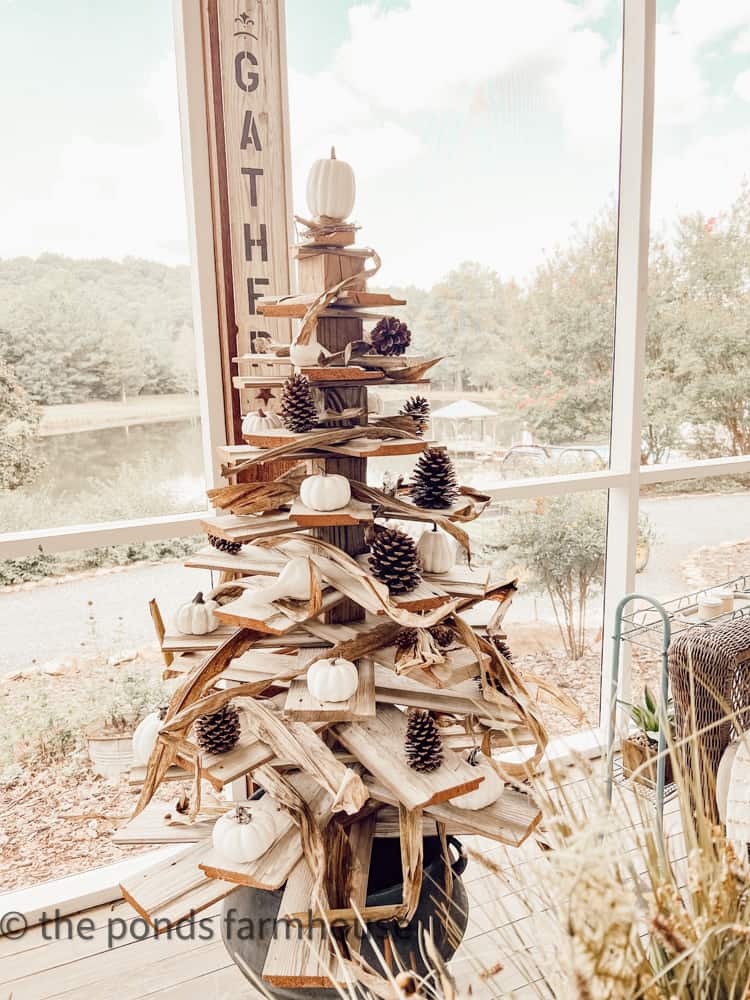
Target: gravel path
x=97 y=614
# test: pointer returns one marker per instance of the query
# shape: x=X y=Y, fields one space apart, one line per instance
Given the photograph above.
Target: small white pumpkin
x=325 y=493
x=257 y=421
x=331 y=188
x=488 y=791
x=333 y=679
x=436 y=551
x=144 y=737
x=245 y=834
x=306 y=355
x=293 y=581
x=197 y=617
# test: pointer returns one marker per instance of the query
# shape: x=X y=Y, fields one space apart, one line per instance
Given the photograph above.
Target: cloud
x=104 y=198
x=742 y=85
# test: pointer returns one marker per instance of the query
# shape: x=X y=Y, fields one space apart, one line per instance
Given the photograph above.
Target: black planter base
x=443 y=917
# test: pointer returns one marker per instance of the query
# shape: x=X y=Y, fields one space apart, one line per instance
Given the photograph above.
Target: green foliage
x=76 y=330
x=19 y=422
x=560 y=545
x=45 y=719
x=41 y=566
x=646 y=715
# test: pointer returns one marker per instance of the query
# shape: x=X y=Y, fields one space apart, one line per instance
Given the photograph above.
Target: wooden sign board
x=249 y=137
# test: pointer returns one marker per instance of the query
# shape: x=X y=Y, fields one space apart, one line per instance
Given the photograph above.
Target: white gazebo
x=461 y=419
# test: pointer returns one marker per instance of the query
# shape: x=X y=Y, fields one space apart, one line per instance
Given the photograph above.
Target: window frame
x=623 y=479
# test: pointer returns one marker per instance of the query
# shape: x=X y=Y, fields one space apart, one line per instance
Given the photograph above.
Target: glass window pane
x=96 y=332
x=698 y=349
x=675 y=558
x=489 y=191
x=555 y=547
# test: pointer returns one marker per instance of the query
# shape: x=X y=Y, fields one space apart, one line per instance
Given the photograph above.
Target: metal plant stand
x=654 y=626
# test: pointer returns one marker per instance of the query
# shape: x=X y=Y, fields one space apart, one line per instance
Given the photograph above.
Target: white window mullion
x=196 y=168
x=636 y=140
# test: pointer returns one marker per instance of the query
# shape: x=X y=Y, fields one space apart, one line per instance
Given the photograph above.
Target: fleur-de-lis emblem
x=244 y=20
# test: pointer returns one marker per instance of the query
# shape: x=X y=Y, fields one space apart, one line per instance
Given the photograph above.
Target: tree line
x=543 y=351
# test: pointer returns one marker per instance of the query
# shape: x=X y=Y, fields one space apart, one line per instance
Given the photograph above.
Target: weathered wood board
x=271 y=618
x=245 y=528
x=510 y=820
x=302 y=958
x=171 y=889
x=379 y=745
x=151 y=827
x=355 y=512
x=295 y=306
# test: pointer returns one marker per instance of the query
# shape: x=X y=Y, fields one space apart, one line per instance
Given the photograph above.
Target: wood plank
x=248 y=527
x=150 y=827
x=250 y=559
x=300 y=959
x=355 y=448
x=355 y=512
x=343 y=377
x=137 y=774
x=172 y=889
x=178 y=643
x=461 y=699
x=271 y=618
x=296 y=306
x=509 y=821
x=303 y=707
x=378 y=744
x=361 y=836
x=273 y=869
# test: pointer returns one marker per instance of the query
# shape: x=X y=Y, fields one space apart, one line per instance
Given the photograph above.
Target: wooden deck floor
x=506 y=925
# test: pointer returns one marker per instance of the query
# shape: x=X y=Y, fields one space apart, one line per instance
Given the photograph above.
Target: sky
x=485 y=130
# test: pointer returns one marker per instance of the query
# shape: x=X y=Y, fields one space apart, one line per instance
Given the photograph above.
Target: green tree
x=19 y=423
x=712 y=354
x=560 y=545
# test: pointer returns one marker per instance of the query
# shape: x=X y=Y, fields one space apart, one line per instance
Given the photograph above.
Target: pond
x=117 y=472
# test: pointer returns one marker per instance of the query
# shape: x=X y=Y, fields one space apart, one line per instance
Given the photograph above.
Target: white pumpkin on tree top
x=331 y=189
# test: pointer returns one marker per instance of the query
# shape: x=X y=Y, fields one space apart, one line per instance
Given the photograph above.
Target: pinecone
x=423 y=746
x=418 y=409
x=224 y=545
x=443 y=635
x=219 y=731
x=297 y=405
x=394 y=560
x=434 y=480
x=407 y=638
x=390 y=336
x=501 y=645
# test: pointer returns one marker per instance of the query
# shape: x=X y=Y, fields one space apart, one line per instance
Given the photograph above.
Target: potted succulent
x=640 y=749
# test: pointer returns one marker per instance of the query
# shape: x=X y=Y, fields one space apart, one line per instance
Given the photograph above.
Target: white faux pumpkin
x=144 y=737
x=293 y=581
x=332 y=680
x=197 y=617
x=330 y=189
x=245 y=834
x=306 y=355
x=324 y=492
x=257 y=421
x=488 y=791
x=436 y=551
